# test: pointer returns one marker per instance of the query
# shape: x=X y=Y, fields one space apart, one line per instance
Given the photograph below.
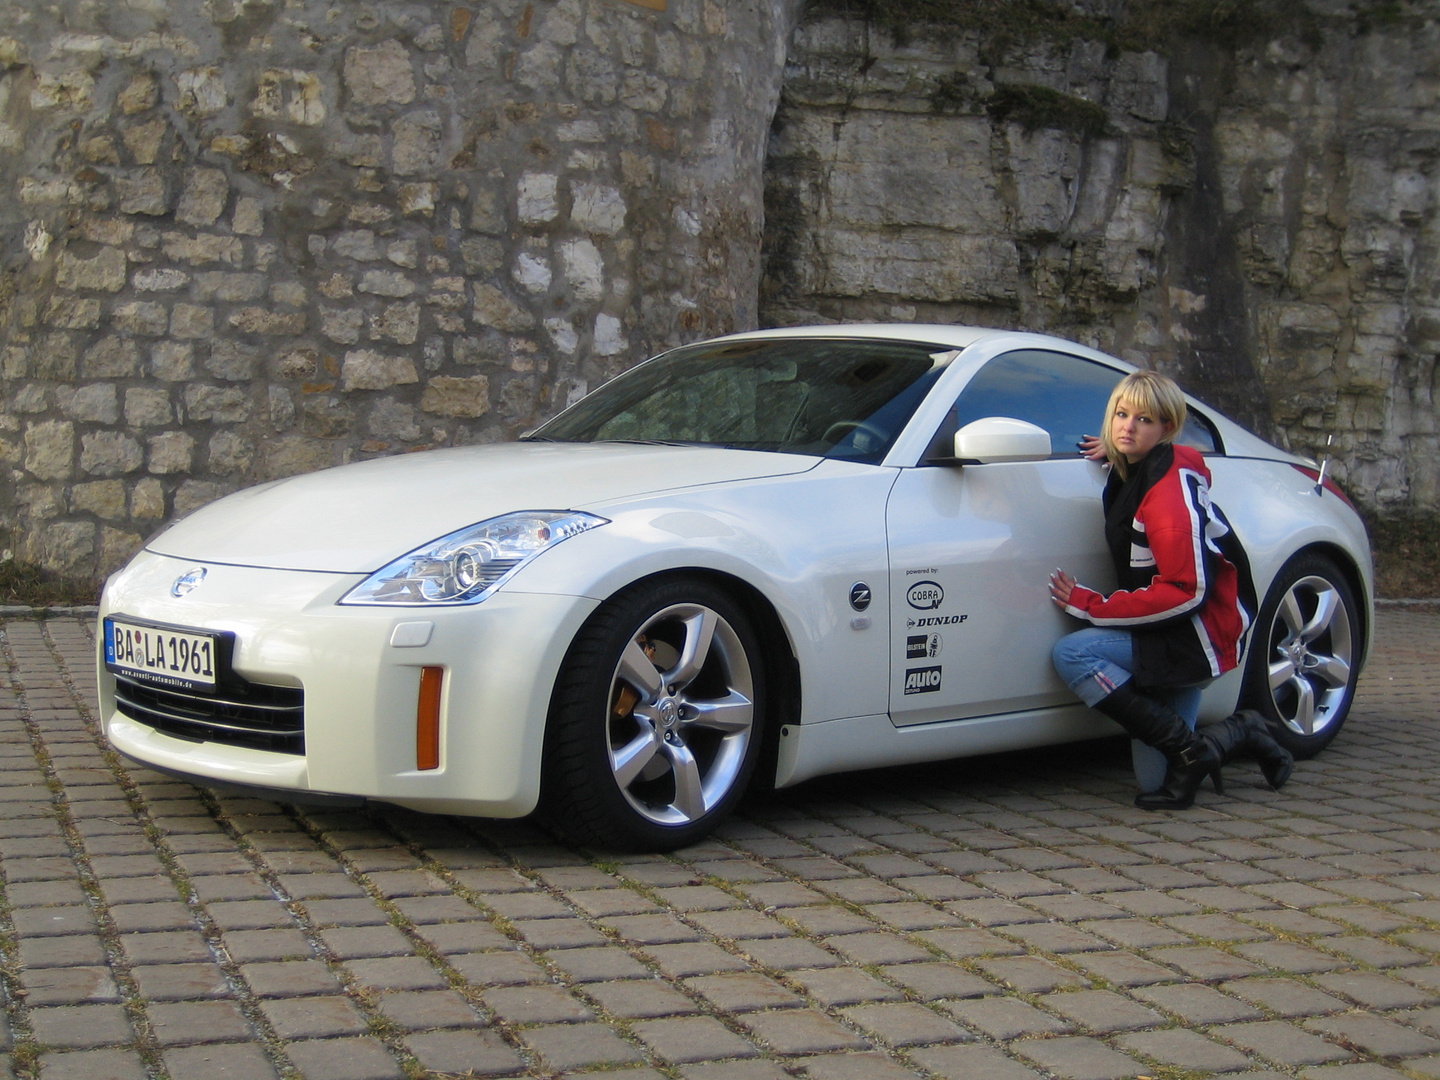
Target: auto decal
x=860 y=596
x=923 y=680
x=188 y=582
x=925 y=595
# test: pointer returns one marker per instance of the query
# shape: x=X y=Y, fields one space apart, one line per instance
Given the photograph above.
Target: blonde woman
x=1176 y=622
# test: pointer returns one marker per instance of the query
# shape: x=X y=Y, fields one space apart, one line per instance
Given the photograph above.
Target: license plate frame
x=173 y=657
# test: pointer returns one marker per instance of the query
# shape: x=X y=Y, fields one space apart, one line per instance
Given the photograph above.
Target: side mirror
x=1001 y=438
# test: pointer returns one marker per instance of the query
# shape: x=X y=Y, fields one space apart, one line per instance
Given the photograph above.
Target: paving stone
x=361 y=942
x=1101 y=1010
x=698 y=958
x=1285 y=997
x=692 y=1038
x=1005 y=1018
x=1030 y=974
x=499 y=969
x=1374 y=952
x=559 y=933
x=905 y=1024
x=1289 y=957
x=964 y=944
x=634 y=999
x=734 y=1070
x=292 y=978
x=250 y=946
x=477 y=1053
x=69 y=986
x=81 y=1027
x=1122 y=968
x=314 y=1017
x=1375 y=991
x=877 y=948
x=538 y=1004
x=166 y=947
x=934 y=980
x=1184 y=1049
x=93 y=1065
x=344 y=1059
x=971 y=1062
x=183 y=1023
x=1078 y=1058
x=76 y=950
x=1281 y=1042
x=422 y=1010
x=1373 y=1034
x=743 y=991
x=801 y=1031
x=465 y=937
x=844 y=986
x=219 y=1061
x=397 y=973
x=1205 y=963
x=856 y=1066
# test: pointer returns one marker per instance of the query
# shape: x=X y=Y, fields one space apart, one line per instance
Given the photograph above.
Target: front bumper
x=361 y=683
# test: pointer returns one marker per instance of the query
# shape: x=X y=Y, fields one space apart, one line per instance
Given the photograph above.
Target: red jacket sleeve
x=1173 y=524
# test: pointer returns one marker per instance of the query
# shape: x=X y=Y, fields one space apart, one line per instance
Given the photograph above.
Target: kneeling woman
x=1176 y=622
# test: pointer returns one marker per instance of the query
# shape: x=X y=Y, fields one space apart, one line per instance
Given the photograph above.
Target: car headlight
x=471 y=563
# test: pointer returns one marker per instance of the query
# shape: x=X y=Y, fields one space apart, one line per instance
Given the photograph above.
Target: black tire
x=649 y=752
x=1304 y=654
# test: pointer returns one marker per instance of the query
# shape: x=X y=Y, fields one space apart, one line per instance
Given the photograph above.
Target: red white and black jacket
x=1179 y=595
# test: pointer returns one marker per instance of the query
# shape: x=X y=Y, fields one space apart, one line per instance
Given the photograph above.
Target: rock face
x=1258 y=221
x=243 y=240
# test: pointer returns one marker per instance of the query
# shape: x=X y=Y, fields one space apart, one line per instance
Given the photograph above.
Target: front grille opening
x=246 y=714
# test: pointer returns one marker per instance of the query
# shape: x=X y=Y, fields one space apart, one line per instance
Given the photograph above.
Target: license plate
x=166 y=656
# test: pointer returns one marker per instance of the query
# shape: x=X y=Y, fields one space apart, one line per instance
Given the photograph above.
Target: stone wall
x=249 y=238
x=1258 y=221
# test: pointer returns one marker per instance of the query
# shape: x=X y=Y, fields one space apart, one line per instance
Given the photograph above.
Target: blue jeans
x=1095 y=661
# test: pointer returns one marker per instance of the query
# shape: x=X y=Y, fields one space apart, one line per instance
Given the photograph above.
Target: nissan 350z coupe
x=756 y=559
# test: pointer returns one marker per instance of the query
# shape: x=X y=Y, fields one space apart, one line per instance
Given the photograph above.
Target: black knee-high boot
x=1248 y=735
x=1191 y=756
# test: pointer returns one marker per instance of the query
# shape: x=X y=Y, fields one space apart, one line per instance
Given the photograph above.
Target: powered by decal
x=925 y=595
x=922 y=680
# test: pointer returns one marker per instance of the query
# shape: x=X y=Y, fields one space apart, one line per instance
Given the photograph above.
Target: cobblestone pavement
x=999 y=919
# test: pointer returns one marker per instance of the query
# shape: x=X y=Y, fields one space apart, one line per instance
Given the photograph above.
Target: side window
x=1199 y=432
x=1063 y=394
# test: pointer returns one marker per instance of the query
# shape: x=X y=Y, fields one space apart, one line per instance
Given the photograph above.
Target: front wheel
x=656 y=720
x=1305 y=653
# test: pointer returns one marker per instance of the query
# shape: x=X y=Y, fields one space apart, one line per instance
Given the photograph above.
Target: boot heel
x=1219 y=783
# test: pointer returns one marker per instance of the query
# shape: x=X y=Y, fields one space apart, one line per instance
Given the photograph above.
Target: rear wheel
x=1303 y=660
x=656 y=721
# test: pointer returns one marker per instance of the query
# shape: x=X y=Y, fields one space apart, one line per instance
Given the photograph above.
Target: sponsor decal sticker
x=935 y=620
x=929 y=571
x=925 y=595
x=923 y=646
x=923 y=680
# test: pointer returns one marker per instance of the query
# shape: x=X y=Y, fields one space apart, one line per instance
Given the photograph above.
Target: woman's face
x=1135 y=433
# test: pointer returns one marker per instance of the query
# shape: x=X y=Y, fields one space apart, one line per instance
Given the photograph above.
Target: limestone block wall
x=1257 y=220
x=249 y=238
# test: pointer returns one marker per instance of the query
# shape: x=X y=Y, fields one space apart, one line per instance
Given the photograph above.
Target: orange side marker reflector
x=427 y=719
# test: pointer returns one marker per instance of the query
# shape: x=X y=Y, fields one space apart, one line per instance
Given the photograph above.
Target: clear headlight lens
x=468 y=565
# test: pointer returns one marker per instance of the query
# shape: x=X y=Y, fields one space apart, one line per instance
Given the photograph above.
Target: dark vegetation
x=1142 y=24
x=24 y=585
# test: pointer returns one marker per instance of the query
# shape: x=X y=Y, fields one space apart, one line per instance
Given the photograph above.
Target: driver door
x=972 y=547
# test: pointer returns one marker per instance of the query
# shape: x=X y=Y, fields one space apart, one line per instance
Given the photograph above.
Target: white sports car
x=763 y=558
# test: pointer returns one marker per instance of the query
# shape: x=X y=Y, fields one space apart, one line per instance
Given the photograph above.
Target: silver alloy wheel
x=1311 y=656
x=682 y=714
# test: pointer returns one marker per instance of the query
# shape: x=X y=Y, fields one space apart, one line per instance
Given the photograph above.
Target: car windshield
x=824 y=396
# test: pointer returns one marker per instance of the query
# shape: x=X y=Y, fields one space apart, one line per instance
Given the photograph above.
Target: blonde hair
x=1153 y=394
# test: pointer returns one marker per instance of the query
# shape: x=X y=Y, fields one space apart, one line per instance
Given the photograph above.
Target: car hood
x=357 y=518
